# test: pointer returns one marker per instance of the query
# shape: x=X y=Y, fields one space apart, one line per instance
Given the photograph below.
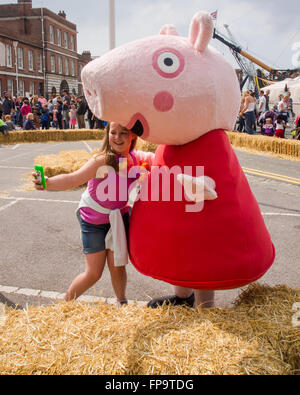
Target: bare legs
x=204 y=299
x=94 y=266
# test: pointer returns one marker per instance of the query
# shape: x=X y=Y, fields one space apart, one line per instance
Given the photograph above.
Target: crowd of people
x=36 y=112
x=257 y=114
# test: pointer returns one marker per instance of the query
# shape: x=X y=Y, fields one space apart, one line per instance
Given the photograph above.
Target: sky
x=267 y=29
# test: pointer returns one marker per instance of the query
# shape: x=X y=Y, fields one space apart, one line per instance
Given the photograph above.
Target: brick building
x=38 y=51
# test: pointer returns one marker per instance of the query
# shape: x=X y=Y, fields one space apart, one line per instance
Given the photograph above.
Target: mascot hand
x=198 y=189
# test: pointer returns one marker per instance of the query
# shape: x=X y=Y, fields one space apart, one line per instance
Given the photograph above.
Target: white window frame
x=51 y=34
x=9 y=59
x=10 y=86
x=60 y=65
x=53 y=66
x=72 y=43
x=73 y=68
x=67 y=67
x=20 y=58
x=21 y=88
x=30 y=60
x=66 y=39
x=31 y=88
x=40 y=62
x=59 y=37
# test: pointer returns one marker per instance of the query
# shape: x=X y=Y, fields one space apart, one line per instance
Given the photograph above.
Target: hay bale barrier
x=44 y=136
x=288 y=149
x=255 y=337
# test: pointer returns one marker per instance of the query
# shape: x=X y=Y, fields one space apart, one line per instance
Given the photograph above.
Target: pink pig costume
x=181 y=93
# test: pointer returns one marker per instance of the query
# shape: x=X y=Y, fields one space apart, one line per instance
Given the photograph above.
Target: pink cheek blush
x=163 y=101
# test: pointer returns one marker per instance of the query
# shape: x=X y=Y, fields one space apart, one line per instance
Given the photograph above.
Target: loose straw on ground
x=255 y=337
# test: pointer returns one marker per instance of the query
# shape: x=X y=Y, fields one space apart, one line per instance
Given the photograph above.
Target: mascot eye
x=168 y=63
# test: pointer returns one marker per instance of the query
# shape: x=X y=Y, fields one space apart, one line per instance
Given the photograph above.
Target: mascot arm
x=198 y=189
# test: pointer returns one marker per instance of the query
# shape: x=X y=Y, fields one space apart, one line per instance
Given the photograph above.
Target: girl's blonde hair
x=111 y=157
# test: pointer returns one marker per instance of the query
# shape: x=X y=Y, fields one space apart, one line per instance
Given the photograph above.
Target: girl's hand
x=36 y=179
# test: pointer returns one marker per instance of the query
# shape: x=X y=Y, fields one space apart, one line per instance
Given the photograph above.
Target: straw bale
x=255 y=337
x=43 y=136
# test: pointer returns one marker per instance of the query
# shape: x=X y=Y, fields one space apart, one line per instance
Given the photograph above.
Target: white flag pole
x=112 y=25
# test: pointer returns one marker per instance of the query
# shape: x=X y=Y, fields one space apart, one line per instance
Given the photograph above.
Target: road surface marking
x=58 y=296
x=15 y=146
x=278 y=177
x=88 y=147
x=8 y=205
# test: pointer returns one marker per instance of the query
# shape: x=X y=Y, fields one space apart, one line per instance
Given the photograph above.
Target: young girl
x=73 y=117
x=280 y=126
x=104 y=220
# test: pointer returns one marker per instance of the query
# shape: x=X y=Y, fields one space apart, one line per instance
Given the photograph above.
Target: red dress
x=226 y=245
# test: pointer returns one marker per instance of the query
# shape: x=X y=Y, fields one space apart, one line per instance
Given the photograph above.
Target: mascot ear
x=168 y=30
x=201 y=31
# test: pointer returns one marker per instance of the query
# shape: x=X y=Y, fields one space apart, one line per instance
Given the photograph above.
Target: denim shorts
x=93 y=236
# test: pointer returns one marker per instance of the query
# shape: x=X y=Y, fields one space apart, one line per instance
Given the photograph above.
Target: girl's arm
x=65 y=182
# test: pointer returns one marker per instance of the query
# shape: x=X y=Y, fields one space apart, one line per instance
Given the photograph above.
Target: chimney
x=62 y=14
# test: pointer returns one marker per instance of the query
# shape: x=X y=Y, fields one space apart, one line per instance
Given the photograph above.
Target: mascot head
x=166 y=88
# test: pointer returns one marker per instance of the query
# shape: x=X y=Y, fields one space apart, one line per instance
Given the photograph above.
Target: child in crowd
x=280 y=126
x=29 y=124
x=268 y=128
x=99 y=212
x=45 y=118
x=9 y=123
x=25 y=110
x=3 y=128
x=73 y=117
x=36 y=117
x=55 y=121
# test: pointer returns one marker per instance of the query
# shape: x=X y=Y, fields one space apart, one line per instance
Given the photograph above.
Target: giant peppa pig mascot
x=181 y=93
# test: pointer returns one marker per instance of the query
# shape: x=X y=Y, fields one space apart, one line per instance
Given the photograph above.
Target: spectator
x=66 y=117
x=59 y=115
x=280 y=126
x=1 y=108
x=45 y=118
x=267 y=96
x=81 y=110
x=283 y=107
x=248 y=113
x=9 y=123
x=73 y=116
x=25 y=110
x=29 y=124
x=3 y=128
x=42 y=100
x=261 y=106
x=8 y=104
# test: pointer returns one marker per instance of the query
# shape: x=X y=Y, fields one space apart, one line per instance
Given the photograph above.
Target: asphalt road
x=40 y=238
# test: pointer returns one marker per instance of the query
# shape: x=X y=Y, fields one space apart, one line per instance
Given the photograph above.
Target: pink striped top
x=118 y=188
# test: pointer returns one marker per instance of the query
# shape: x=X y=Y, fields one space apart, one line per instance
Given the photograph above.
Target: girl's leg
x=94 y=265
x=118 y=277
x=205 y=299
x=183 y=292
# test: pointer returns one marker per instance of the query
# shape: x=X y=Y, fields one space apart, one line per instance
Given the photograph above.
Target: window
x=20 y=58
x=30 y=60
x=73 y=68
x=10 y=86
x=67 y=66
x=66 y=40
x=21 y=88
x=8 y=56
x=51 y=34
x=52 y=64
x=72 y=43
x=32 y=88
x=58 y=37
x=60 y=65
x=40 y=62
